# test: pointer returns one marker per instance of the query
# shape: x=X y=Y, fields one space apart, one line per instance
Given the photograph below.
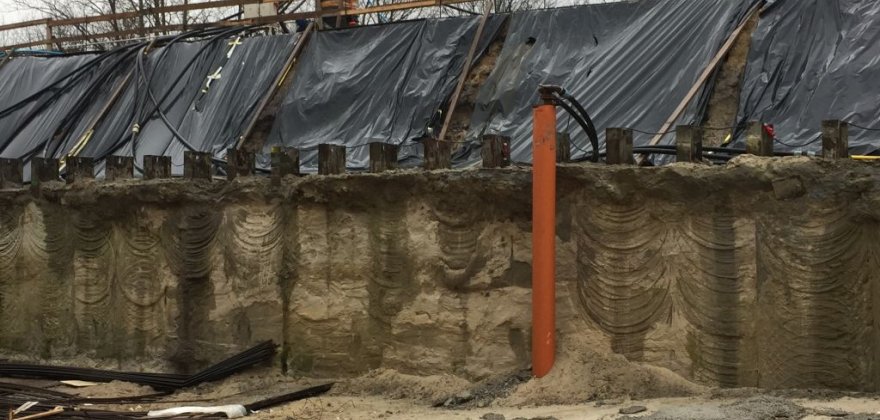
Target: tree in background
x=107 y=34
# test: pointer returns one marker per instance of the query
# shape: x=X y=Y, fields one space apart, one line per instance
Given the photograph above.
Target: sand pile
x=581 y=375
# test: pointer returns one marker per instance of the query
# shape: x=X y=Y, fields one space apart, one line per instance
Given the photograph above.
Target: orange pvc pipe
x=544 y=240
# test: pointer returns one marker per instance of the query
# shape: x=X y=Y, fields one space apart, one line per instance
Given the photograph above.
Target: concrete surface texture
x=759 y=273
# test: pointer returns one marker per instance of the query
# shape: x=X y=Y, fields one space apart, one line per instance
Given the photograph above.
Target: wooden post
x=758 y=141
x=43 y=170
x=495 y=151
x=239 y=162
x=689 y=143
x=438 y=154
x=331 y=159
x=80 y=169
x=285 y=161
x=11 y=173
x=49 y=34
x=157 y=167
x=563 y=147
x=835 y=139
x=119 y=167
x=197 y=165
x=619 y=146
x=383 y=157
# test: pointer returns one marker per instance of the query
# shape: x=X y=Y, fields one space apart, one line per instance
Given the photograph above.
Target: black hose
x=594 y=141
x=142 y=119
x=71 y=79
x=593 y=134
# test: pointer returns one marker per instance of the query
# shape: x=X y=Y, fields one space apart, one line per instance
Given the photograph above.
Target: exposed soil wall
x=724 y=100
x=760 y=273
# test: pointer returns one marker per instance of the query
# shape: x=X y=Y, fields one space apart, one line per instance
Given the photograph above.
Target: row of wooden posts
x=383 y=156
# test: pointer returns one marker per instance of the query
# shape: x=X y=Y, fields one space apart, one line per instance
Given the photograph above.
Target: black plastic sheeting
x=65 y=116
x=38 y=98
x=814 y=60
x=374 y=84
x=210 y=118
x=629 y=63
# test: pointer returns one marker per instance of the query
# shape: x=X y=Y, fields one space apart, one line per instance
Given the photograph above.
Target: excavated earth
x=761 y=273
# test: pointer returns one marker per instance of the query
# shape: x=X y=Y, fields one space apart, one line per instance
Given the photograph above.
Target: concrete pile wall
x=760 y=273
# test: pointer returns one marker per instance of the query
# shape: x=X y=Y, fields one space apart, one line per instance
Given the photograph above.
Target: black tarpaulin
x=42 y=96
x=208 y=91
x=374 y=84
x=628 y=63
x=814 y=60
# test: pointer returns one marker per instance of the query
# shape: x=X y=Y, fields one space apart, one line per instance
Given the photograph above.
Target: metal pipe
x=544 y=235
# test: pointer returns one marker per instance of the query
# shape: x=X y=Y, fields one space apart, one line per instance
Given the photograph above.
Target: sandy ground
x=757 y=407
x=388 y=395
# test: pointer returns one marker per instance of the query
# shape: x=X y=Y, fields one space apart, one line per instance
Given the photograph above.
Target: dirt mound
x=581 y=375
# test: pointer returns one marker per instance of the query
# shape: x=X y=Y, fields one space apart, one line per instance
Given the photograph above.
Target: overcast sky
x=10 y=13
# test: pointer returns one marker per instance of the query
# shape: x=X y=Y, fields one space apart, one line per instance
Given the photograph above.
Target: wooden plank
x=279 y=80
x=707 y=72
x=487 y=8
x=24 y=24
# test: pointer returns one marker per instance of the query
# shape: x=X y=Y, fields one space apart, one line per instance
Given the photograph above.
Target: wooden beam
x=215 y=4
x=487 y=8
x=707 y=72
x=24 y=24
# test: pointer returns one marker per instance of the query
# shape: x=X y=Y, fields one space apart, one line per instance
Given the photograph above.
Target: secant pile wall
x=759 y=273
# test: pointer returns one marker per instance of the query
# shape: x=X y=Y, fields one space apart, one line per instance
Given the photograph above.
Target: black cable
x=583 y=119
x=651 y=133
x=793 y=146
x=862 y=127
x=56 y=93
x=147 y=78
x=592 y=156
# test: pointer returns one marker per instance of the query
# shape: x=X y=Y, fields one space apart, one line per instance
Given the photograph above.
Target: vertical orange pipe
x=544 y=239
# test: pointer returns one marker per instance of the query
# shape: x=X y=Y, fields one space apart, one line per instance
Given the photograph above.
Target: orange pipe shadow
x=544 y=239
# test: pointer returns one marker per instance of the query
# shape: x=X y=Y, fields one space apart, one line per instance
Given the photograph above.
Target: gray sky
x=11 y=13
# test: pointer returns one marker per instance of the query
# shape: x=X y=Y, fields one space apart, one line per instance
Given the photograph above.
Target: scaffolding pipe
x=544 y=235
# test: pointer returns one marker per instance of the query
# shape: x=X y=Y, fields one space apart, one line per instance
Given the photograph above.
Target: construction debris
x=260 y=353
